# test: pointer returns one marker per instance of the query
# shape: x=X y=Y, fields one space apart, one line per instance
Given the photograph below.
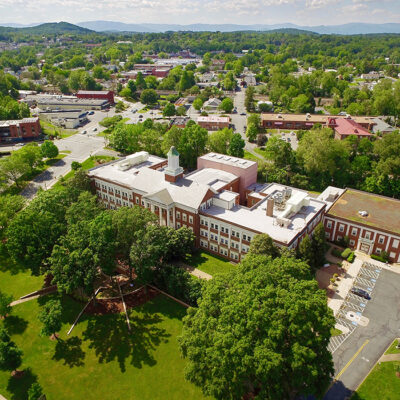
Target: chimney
x=270 y=207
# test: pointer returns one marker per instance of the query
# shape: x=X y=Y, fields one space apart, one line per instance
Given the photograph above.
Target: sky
x=300 y=12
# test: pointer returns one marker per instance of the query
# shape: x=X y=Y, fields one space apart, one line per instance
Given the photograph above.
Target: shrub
x=351 y=257
x=179 y=283
x=378 y=258
x=346 y=252
x=336 y=252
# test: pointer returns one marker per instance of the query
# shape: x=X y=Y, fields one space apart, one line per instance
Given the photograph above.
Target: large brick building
x=307 y=121
x=369 y=221
x=19 y=130
x=221 y=201
x=213 y=123
x=96 y=94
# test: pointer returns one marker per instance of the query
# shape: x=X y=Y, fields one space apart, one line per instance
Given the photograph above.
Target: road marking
x=351 y=360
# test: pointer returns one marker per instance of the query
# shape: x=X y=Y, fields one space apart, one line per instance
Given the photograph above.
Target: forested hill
x=48 y=28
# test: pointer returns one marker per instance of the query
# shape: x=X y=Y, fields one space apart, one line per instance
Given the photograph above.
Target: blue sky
x=301 y=12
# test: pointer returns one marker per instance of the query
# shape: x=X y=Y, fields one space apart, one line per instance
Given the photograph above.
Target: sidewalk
x=390 y=357
x=390 y=267
x=344 y=285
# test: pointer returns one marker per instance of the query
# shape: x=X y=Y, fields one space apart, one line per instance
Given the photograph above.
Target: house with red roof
x=344 y=127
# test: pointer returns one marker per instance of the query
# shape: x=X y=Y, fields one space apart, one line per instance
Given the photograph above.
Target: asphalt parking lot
x=372 y=324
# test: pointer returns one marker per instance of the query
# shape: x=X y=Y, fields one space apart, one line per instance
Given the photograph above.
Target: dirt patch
x=114 y=306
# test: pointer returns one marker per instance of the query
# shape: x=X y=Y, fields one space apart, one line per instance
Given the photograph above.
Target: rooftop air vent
x=363 y=213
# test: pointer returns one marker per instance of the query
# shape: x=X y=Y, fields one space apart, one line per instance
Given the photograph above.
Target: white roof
x=228 y=160
x=213 y=118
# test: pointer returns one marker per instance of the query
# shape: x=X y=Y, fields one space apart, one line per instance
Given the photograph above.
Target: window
x=341 y=228
x=178 y=215
x=327 y=235
x=354 y=231
x=216 y=226
x=137 y=200
x=233 y=233
x=379 y=251
x=190 y=220
x=212 y=225
x=191 y=228
x=381 y=239
x=222 y=229
x=392 y=255
x=352 y=242
x=367 y=235
x=395 y=243
x=237 y=234
x=184 y=217
x=178 y=225
x=329 y=224
x=142 y=202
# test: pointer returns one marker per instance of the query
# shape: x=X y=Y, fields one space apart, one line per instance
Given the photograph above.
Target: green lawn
x=16 y=280
x=382 y=383
x=52 y=130
x=101 y=359
x=392 y=349
x=210 y=264
x=250 y=156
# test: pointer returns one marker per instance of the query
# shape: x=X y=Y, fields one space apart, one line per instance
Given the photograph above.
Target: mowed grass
x=392 y=349
x=382 y=383
x=210 y=264
x=16 y=280
x=101 y=359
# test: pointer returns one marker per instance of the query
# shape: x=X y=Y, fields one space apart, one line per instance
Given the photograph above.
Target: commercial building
x=69 y=119
x=370 y=222
x=96 y=94
x=344 y=127
x=67 y=103
x=213 y=123
x=307 y=121
x=19 y=130
x=220 y=202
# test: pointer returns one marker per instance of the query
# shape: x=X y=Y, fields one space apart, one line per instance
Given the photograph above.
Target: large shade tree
x=261 y=330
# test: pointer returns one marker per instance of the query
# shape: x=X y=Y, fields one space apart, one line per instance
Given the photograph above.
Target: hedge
x=346 y=253
x=351 y=257
x=378 y=258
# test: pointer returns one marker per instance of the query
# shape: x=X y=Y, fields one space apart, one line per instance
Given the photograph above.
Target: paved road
x=81 y=148
x=363 y=348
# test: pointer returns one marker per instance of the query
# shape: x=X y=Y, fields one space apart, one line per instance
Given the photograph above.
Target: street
x=355 y=357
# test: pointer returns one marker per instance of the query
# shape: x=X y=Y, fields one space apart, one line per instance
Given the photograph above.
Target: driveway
x=356 y=356
x=81 y=147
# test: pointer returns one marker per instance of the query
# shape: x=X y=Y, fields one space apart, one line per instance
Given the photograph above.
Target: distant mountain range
x=346 y=29
x=113 y=26
x=47 y=28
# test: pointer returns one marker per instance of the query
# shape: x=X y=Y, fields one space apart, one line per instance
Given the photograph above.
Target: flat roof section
x=228 y=160
x=383 y=212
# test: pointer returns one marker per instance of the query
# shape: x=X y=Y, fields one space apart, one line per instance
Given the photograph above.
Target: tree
x=12 y=168
x=186 y=81
x=181 y=111
x=9 y=206
x=306 y=251
x=264 y=245
x=5 y=301
x=50 y=317
x=192 y=144
x=140 y=81
x=279 y=151
x=169 y=110
x=75 y=165
x=251 y=132
x=319 y=245
x=149 y=96
x=35 y=392
x=49 y=149
x=120 y=106
x=236 y=146
x=249 y=99
x=218 y=141
x=31 y=155
x=226 y=105
x=10 y=354
x=237 y=341
x=197 y=103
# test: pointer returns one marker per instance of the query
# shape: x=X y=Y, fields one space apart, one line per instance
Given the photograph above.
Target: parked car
x=140 y=116
x=91 y=112
x=243 y=113
x=94 y=129
x=360 y=292
x=84 y=132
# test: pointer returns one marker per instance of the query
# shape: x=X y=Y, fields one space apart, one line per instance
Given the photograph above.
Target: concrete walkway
x=344 y=285
x=390 y=267
x=2 y=398
x=390 y=357
x=199 y=274
x=16 y=302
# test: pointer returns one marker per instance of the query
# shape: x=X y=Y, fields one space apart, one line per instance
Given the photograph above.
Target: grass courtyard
x=100 y=359
x=210 y=264
x=382 y=383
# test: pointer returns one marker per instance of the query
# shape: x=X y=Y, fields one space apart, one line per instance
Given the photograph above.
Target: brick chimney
x=270 y=207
